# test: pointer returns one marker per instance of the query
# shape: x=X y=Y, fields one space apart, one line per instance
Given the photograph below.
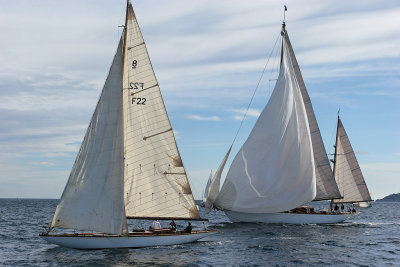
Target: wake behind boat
x=283 y=164
x=128 y=166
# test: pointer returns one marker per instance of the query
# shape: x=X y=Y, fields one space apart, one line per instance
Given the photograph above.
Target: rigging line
x=255 y=90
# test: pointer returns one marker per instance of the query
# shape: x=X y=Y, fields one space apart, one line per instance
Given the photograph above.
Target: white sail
x=274 y=170
x=215 y=182
x=93 y=196
x=207 y=189
x=347 y=172
x=325 y=182
x=156 y=184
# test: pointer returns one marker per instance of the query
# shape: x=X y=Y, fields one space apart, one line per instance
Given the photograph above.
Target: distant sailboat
x=347 y=172
x=206 y=190
x=283 y=163
x=128 y=166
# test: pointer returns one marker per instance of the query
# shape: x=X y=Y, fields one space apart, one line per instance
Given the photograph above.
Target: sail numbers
x=134 y=64
x=139 y=100
x=136 y=86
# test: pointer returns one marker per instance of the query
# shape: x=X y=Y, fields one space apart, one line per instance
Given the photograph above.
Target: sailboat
x=206 y=190
x=347 y=172
x=283 y=164
x=128 y=166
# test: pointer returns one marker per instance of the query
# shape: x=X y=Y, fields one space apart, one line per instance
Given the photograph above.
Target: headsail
x=207 y=188
x=156 y=184
x=347 y=172
x=93 y=196
x=215 y=182
x=274 y=170
x=326 y=185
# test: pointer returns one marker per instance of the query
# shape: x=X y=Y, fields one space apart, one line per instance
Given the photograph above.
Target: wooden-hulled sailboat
x=128 y=166
x=347 y=171
x=283 y=164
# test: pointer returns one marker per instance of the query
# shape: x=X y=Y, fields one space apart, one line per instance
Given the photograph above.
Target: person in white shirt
x=155 y=225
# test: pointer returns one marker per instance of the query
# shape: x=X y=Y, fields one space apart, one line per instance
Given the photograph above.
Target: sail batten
x=325 y=182
x=156 y=184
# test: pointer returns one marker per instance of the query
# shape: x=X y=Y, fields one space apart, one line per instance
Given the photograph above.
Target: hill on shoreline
x=391 y=198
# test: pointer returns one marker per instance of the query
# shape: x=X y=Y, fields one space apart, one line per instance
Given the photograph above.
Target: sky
x=208 y=57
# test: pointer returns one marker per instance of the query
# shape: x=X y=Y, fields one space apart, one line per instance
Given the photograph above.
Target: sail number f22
x=139 y=100
x=133 y=85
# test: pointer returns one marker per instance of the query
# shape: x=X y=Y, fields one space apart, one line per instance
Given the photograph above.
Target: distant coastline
x=391 y=198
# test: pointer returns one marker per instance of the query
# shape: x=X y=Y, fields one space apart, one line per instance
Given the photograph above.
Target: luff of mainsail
x=325 y=182
x=156 y=184
x=93 y=196
x=274 y=170
x=347 y=171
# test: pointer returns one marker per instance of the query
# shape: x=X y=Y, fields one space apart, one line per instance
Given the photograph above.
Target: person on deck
x=188 y=228
x=336 y=208
x=342 y=208
x=155 y=225
x=172 y=225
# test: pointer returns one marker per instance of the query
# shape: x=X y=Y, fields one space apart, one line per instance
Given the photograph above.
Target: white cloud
x=204 y=118
x=250 y=113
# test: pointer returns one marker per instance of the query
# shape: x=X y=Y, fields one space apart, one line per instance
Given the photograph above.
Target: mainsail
x=156 y=184
x=325 y=182
x=274 y=170
x=93 y=197
x=347 y=172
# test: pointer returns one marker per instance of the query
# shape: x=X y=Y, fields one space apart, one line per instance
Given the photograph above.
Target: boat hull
x=290 y=218
x=102 y=241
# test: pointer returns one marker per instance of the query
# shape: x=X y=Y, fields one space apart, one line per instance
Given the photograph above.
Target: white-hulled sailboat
x=206 y=190
x=283 y=164
x=347 y=172
x=128 y=166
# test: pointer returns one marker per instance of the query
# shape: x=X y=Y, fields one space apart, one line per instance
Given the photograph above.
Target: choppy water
x=371 y=239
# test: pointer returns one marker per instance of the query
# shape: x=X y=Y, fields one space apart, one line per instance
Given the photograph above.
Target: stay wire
x=255 y=90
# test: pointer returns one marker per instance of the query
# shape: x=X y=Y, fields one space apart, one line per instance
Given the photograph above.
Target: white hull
x=291 y=218
x=363 y=204
x=137 y=241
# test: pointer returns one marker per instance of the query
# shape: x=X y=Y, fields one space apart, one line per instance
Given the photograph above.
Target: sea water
x=370 y=239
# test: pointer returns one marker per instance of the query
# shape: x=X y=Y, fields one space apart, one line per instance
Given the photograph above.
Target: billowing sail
x=347 y=172
x=274 y=170
x=93 y=197
x=215 y=182
x=156 y=184
x=326 y=185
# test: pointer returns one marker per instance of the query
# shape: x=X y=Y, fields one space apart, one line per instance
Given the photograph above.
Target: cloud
x=203 y=118
x=250 y=113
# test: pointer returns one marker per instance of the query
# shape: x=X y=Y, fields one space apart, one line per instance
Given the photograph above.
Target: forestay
x=156 y=185
x=93 y=196
x=347 y=172
x=325 y=182
x=274 y=170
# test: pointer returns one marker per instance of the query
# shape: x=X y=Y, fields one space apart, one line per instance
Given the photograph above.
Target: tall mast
x=126 y=23
x=334 y=154
x=283 y=32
